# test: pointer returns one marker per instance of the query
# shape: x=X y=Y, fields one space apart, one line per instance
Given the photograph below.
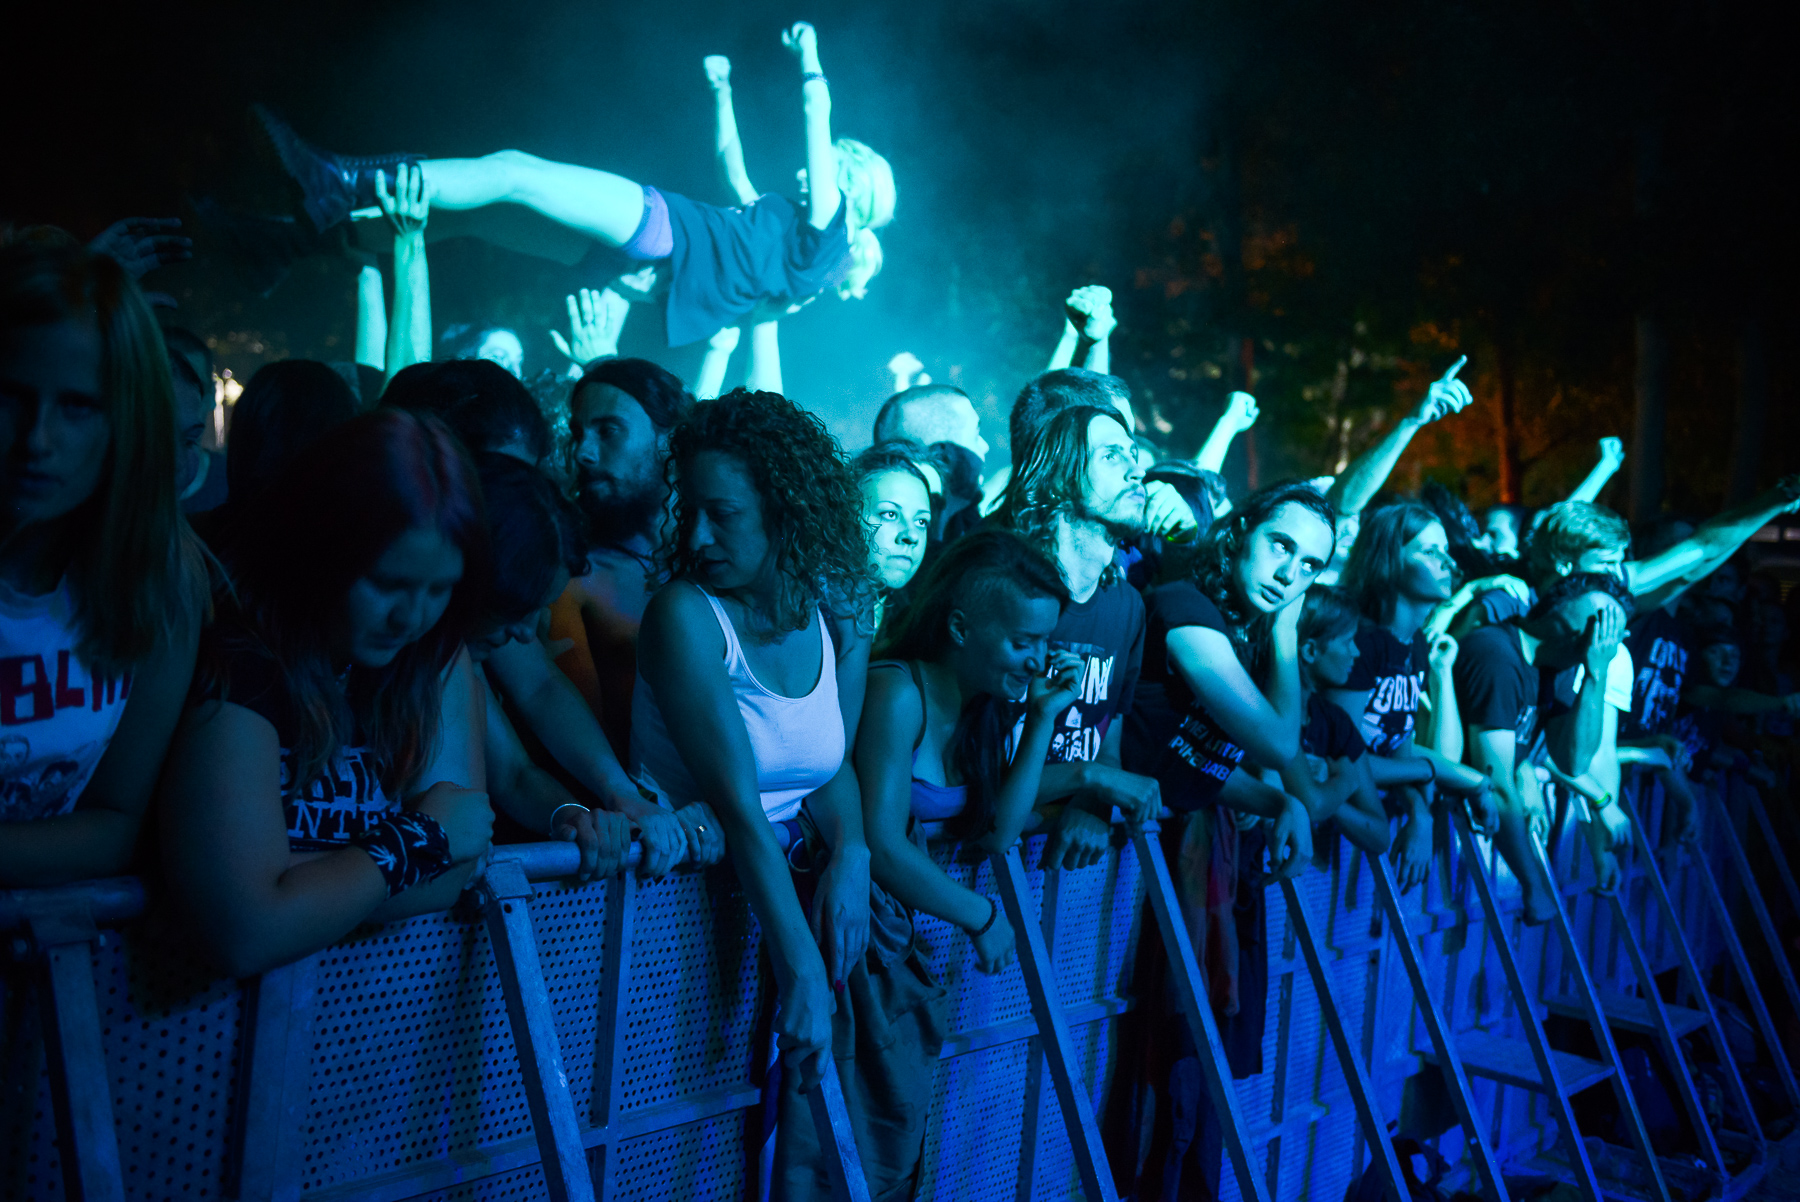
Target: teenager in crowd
x=1546 y=688
x=1076 y=496
x=620 y=418
x=531 y=564
x=943 y=418
x=896 y=508
x=752 y=663
x=1331 y=775
x=1221 y=685
x=102 y=586
x=967 y=656
x=494 y=415
x=723 y=263
x=1398 y=572
x=328 y=770
x=482 y=403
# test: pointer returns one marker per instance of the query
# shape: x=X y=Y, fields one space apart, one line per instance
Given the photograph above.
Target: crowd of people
x=420 y=606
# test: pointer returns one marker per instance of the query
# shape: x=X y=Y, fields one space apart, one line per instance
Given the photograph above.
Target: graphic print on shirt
x=1079 y=732
x=337 y=807
x=44 y=768
x=1392 y=673
x=1657 y=690
x=1204 y=747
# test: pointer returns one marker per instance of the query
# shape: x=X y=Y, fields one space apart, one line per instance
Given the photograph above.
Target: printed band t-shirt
x=56 y=719
x=1659 y=648
x=1392 y=673
x=1169 y=734
x=1107 y=631
x=340 y=805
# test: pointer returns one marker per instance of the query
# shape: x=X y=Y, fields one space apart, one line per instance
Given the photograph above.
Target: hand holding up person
x=1446 y=395
x=718 y=72
x=408 y=206
x=141 y=244
x=595 y=321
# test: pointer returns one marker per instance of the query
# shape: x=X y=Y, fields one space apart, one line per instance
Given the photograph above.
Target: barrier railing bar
x=273 y=1079
x=62 y=926
x=109 y=899
x=1528 y=1016
x=1196 y=1007
x=979 y=1040
x=1760 y=814
x=1362 y=1093
x=507 y=913
x=1031 y=1119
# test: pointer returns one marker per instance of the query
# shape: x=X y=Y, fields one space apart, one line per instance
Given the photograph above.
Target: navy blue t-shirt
x=1169 y=734
x=1659 y=648
x=727 y=261
x=1392 y=673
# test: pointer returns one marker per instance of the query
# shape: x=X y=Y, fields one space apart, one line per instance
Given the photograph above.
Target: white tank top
x=798 y=741
x=55 y=718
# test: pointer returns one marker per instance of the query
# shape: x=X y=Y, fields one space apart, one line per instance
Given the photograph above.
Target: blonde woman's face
x=54 y=429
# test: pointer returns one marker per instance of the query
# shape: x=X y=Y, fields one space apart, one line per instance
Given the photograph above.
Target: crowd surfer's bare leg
x=599 y=204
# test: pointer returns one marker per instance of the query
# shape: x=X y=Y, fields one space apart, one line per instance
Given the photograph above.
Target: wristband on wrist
x=1604 y=800
x=567 y=805
x=807 y=77
x=1431 y=764
x=409 y=849
x=993 y=917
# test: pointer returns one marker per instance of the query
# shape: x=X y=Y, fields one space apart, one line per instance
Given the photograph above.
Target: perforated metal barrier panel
x=413 y=1084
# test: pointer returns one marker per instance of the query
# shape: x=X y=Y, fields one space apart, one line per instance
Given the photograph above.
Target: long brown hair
x=1053 y=479
x=137 y=573
x=308 y=536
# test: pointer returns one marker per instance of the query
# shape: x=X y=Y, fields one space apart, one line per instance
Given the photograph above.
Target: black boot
x=331 y=185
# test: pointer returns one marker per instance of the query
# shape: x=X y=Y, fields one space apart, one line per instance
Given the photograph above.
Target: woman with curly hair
x=751 y=667
x=723 y=264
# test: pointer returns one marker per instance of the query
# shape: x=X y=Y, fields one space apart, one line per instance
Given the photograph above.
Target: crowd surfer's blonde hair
x=866 y=183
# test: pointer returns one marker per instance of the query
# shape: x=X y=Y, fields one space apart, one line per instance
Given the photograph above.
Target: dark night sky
x=1464 y=165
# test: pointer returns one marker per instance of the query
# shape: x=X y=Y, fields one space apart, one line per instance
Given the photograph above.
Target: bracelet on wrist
x=807 y=77
x=993 y=917
x=567 y=805
x=1604 y=800
x=409 y=849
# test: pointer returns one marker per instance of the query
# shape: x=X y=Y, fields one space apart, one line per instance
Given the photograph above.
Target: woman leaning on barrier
x=102 y=585
x=328 y=769
x=751 y=666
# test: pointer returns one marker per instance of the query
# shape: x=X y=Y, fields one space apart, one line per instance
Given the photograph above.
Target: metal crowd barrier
x=611 y=1040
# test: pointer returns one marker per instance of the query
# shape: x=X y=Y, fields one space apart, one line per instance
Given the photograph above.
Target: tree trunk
x=1752 y=410
x=1646 y=460
x=1510 y=489
x=1247 y=363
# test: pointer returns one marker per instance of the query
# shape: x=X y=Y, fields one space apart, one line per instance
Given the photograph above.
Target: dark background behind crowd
x=1592 y=204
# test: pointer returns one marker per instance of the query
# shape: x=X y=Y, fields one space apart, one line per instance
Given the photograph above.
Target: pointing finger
x=1461 y=361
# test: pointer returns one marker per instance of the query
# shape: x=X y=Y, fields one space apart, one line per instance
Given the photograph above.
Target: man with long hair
x=1078 y=493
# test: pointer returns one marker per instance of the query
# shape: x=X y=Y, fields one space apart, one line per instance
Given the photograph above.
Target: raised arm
x=596 y=319
x=1576 y=737
x=709 y=382
x=371 y=319
x=821 y=156
x=1612 y=457
x=726 y=146
x=765 y=357
x=407 y=207
x=1656 y=580
x=1357 y=485
x=1240 y=414
x=1088 y=324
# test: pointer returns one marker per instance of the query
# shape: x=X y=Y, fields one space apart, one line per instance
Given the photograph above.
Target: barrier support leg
x=1362 y=1093
x=609 y=1049
x=271 y=1106
x=1031 y=1124
x=1759 y=910
x=843 y=1163
x=63 y=929
x=1053 y=1032
x=507 y=910
x=1462 y=1097
x=1190 y=990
